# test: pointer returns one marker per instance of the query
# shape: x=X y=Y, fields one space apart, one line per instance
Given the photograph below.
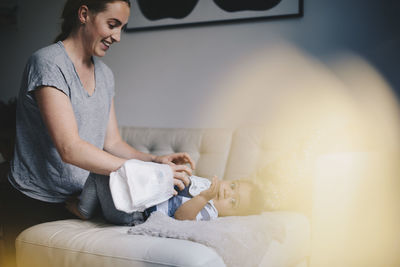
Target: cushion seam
x=97 y=254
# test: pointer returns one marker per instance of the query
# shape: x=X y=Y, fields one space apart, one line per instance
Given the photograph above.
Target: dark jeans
x=96 y=193
x=19 y=212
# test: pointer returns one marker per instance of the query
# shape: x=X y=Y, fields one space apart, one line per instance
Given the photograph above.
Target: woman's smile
x=106 y=45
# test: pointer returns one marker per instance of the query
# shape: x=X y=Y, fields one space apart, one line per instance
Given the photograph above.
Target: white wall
x=167 y=78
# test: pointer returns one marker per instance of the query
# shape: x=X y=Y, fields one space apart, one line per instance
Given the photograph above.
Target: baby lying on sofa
x=220 y=198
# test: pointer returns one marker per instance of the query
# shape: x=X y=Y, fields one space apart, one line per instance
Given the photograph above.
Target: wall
x=167 y=78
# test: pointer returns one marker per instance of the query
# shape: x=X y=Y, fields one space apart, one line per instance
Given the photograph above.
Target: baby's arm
x=190 y=209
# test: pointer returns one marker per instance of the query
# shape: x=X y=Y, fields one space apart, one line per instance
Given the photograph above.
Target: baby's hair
x=257 y=202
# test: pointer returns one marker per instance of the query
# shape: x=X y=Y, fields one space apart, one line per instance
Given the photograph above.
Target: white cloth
x=138 y=185
x=239 y=240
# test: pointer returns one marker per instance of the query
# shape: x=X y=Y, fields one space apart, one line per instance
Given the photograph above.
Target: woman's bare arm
x=118 y=147
x=115 y=145
x=58 y=115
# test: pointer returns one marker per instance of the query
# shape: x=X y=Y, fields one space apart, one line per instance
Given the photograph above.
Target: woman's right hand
x=181 y=175
x=180 y=158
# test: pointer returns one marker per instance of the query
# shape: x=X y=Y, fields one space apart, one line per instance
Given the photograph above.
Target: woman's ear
x=83 y=14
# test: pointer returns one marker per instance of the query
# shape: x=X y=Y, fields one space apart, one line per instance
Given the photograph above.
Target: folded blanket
x=239 y=240
x=138 y=185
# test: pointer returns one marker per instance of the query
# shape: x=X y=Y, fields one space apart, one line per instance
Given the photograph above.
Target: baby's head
x=238 y=198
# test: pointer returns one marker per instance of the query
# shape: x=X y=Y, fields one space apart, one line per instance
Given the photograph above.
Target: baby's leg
x=110 y=212
x=72 y=205
x=85 y=206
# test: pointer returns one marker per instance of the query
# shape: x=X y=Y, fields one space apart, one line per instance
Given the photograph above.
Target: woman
x=66 y=123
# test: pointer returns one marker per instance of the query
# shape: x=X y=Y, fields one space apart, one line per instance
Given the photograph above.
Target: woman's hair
x=70 y=14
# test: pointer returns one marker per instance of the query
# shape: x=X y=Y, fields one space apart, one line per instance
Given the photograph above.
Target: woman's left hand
x=176 y=158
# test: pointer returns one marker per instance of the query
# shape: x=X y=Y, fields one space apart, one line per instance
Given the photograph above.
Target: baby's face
x=233 y=198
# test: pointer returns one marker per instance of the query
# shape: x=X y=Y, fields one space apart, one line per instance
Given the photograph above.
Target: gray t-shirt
x=37 y=169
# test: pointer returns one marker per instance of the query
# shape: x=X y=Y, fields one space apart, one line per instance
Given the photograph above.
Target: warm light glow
x=342 y=116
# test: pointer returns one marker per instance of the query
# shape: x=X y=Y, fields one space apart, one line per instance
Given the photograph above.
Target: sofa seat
x=84 y=243
x=95 y=243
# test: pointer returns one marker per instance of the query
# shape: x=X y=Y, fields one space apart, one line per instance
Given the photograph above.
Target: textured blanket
x=239 y=240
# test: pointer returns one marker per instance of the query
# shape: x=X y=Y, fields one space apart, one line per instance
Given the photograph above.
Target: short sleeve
x=209 y=212
x=43 y=72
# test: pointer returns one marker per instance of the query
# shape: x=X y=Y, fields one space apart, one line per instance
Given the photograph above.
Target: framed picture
x=152 y=14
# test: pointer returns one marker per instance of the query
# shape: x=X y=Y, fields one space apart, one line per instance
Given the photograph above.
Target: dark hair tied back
x=69 y=15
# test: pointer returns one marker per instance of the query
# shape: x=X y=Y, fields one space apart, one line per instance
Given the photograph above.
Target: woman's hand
x=181 y=175
x=213 y=190
x=180 y=171
x=176 y=158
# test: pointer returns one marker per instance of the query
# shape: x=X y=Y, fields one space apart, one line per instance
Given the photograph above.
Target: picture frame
x=156 y=14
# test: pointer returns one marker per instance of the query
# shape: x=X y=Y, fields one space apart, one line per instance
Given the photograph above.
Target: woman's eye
x=111 y=26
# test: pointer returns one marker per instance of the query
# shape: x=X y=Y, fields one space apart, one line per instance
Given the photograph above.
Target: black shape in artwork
x=243 y=5
x=161 y=9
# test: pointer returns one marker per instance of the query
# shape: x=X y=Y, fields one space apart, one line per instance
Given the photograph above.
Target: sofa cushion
x=95 y=243
x=79 y=243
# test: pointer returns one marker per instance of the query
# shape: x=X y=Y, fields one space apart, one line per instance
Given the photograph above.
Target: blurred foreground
x=337 y=130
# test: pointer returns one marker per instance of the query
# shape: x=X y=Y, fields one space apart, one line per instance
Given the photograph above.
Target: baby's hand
x=212 y=191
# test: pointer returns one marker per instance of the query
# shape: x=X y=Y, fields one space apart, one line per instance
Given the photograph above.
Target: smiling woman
x=65 y=114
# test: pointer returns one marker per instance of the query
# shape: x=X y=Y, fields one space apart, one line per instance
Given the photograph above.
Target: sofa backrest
x=251 y=149
x=282 y=170
x=229 y=154
x=209 y=148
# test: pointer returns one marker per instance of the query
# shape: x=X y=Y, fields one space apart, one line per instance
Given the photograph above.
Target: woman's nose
x=116 y=36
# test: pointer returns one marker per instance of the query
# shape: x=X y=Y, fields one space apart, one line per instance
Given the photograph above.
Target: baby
x=225 y=198
x=219 y=198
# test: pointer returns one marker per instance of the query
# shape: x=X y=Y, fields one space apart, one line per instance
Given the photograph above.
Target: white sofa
x=228 y=153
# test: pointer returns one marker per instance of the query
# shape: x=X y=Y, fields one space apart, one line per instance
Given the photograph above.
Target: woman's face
x=104 y=28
